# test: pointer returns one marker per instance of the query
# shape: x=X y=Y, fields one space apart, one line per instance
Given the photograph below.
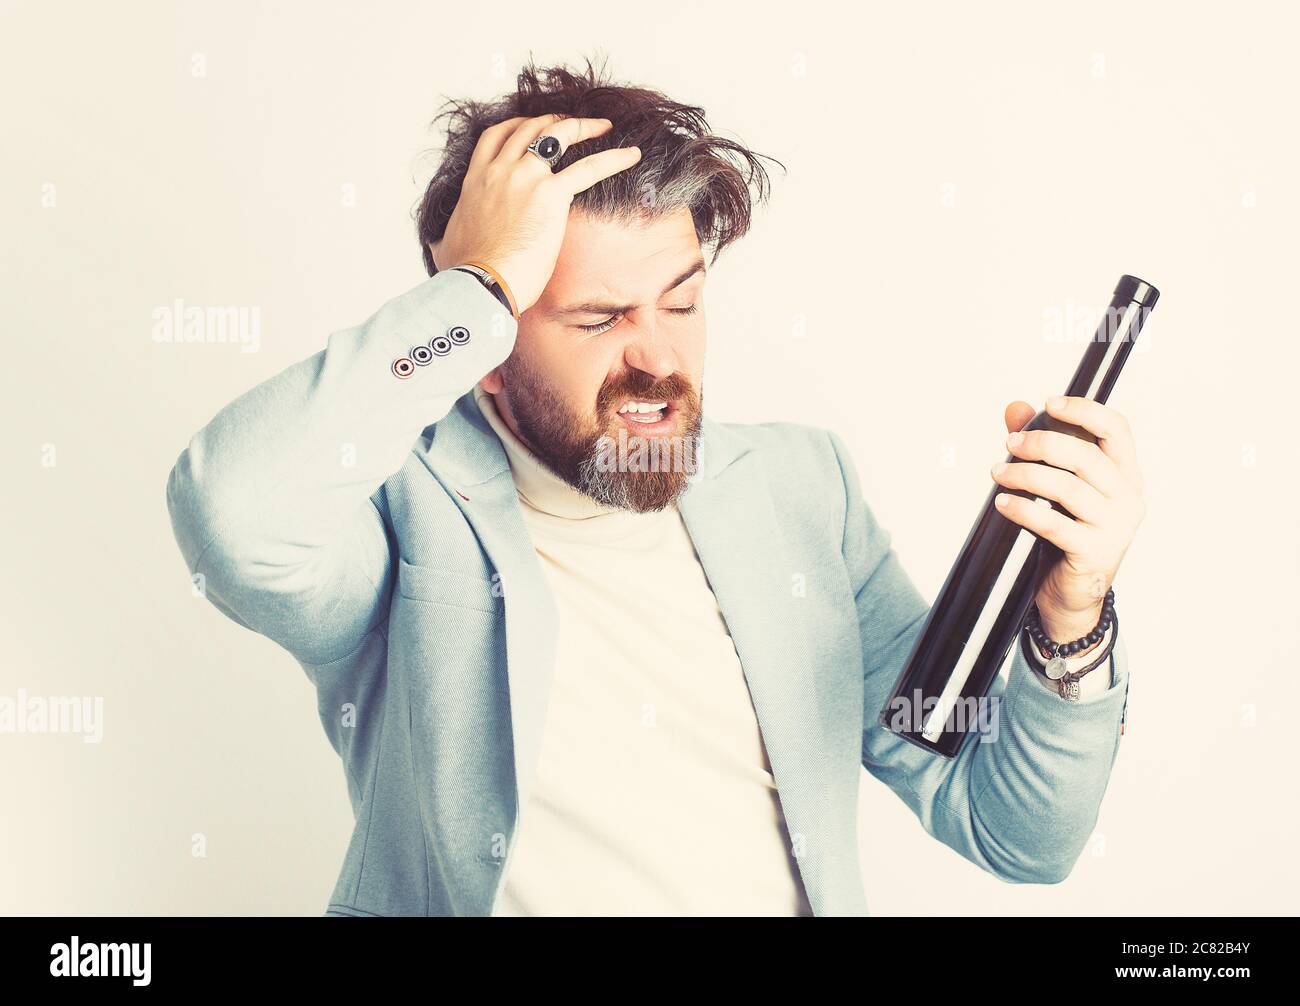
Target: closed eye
x=608 y=323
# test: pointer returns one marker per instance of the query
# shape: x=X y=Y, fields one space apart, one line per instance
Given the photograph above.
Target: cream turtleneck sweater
x=654 y=795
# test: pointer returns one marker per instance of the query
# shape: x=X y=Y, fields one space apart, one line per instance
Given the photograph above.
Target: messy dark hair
x=682 y=164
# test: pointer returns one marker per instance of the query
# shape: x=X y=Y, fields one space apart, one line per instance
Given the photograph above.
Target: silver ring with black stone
x=547 y=148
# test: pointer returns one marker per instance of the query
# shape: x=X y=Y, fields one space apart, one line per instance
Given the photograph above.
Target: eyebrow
x=597 y=307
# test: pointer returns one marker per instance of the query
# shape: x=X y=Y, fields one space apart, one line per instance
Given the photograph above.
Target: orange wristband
x=514 y=304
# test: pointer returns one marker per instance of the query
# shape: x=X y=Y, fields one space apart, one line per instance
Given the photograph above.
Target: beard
x=599 y=455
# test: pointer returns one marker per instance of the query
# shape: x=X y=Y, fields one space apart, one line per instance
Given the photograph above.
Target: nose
x=648 y=349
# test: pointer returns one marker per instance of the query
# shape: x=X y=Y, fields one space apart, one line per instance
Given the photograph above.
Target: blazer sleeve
x=277 y=503
x=1020 y=802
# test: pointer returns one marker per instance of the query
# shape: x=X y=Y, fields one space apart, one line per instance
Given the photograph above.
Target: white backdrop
x=964 y=180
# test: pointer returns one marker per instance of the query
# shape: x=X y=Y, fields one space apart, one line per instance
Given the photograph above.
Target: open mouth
x=649 y=417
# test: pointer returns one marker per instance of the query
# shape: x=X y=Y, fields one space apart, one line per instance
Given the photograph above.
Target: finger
x=573 y=130
x=1085 y=504
x=516 y=144
x=1114 y=436
x=1085 y=459
x=567 y=130
x=1017 y=414
x=1068 y=535
x=490 y=141
x=587 y=171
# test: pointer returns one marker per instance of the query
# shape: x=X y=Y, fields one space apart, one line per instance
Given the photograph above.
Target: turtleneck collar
x=545 y=492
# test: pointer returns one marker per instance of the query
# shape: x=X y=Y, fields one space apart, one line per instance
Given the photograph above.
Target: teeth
x=643 y=406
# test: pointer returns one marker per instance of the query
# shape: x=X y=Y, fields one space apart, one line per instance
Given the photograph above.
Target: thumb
x=1017 y=414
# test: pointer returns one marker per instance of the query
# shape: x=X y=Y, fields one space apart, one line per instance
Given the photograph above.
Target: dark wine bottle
x=936 y=701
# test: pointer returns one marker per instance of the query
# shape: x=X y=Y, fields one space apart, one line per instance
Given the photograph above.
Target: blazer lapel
x=738 y=537
x=470 y=461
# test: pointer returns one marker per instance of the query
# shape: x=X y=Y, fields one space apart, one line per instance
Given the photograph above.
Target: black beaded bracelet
x=1034 y=626
x=1067 y=682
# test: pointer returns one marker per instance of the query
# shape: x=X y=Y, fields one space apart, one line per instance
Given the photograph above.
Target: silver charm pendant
x=1055 y=669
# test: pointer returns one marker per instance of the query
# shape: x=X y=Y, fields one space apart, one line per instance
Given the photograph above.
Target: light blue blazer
x=368 y=523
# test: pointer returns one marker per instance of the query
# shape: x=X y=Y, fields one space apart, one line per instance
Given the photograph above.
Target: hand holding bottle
x=1098 y=481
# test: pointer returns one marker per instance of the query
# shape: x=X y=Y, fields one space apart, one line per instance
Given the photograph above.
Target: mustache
x=645 y=389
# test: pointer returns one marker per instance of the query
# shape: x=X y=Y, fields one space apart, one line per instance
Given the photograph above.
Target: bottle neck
x=1105 y=355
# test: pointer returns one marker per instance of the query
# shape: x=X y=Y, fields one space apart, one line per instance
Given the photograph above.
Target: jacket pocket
x=458 y=589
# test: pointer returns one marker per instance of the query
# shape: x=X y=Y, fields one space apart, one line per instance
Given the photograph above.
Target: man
x=570 y=675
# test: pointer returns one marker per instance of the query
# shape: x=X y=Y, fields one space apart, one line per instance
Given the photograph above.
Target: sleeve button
x=403 y=367
x=459 y=335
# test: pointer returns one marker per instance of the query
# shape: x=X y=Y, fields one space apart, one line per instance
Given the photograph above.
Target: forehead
x=621 y=261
